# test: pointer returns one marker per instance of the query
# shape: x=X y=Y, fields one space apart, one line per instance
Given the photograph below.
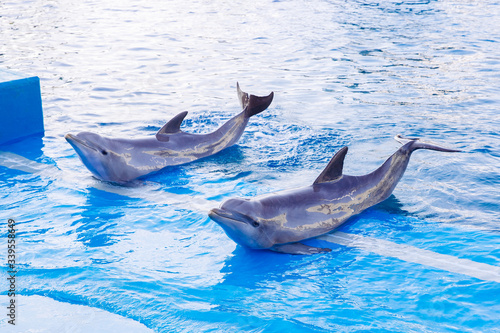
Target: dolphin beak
x=222 y=216
x=217 y=215
x=87 y=151
x=77 y=142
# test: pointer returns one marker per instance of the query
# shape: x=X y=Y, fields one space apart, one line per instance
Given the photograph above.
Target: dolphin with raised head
x=122 y=160
x=279 y=221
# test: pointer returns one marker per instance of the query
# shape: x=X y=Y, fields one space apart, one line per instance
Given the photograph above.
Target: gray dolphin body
x=122 y=160
x=279 y=221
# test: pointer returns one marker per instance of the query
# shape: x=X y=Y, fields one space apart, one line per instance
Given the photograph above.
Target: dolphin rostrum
x=122 y=160
x=279 y=221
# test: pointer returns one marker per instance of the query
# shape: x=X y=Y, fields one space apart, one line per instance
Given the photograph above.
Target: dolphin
x=279 y=221
x=122 y=160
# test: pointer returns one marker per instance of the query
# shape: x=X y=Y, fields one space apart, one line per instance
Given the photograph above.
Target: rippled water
x=352 y=73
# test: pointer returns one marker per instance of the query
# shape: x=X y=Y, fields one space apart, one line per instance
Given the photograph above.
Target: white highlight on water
x=149 y=191
x=419 y=256
x=43 y=314
x=18 y=162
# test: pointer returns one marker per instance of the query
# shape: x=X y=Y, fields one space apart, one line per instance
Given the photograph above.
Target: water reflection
x=99 y=222
x=345 y=73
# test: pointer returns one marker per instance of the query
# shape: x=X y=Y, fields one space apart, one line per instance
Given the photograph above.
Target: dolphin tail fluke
x=242 y=96
x=416 y=143
x=252 y=104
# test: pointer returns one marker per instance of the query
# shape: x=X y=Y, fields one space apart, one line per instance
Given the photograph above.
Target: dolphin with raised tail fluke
x=122 y=160
x=280 y=221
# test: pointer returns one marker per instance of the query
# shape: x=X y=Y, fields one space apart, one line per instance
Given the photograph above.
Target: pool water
x=344 y=73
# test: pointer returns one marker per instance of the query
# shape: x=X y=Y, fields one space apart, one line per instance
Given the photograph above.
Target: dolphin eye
x=104 y=152
x=255 y=224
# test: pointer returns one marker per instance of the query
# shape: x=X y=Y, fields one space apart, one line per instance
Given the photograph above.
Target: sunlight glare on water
x=344 y=73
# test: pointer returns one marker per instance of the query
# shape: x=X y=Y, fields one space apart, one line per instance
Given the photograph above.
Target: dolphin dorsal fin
x=172 y=126
x=334 y=168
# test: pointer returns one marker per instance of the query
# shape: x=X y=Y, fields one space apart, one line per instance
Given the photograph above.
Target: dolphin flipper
x=299 y=248
x=252 y=104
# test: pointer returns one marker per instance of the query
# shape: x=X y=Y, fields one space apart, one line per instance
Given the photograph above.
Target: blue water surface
x=344 y=73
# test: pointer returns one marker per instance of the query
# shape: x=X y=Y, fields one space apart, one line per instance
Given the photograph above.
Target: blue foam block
x=21 y=112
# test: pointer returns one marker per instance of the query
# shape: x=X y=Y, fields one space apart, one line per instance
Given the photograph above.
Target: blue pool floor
x=149 y=252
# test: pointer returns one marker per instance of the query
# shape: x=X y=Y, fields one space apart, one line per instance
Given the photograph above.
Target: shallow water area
x=350 y=74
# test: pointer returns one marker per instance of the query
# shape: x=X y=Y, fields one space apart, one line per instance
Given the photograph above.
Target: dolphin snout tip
x=213 y=212
x=69 y=137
